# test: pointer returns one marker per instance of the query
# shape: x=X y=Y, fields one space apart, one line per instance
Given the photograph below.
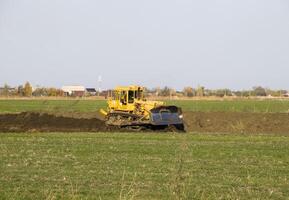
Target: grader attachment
x=166 y=115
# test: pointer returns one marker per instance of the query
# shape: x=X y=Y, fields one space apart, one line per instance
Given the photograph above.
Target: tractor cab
x=124 y=98
x=129 y=95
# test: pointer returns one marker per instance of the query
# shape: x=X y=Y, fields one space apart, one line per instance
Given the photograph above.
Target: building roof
x=70 y=88
x=90 y=90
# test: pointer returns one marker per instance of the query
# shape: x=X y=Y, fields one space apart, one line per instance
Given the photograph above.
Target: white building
x=74 y=90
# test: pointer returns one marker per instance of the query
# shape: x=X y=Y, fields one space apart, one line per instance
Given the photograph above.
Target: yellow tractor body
x=128 y=107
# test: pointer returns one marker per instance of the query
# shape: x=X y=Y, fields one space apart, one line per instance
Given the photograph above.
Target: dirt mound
x=47 y=122
x=234 y=122
x=206 y=122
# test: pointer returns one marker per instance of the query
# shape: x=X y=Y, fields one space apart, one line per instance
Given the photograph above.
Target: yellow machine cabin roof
x=126 y=88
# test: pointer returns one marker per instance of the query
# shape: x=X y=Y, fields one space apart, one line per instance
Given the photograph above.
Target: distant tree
x=209 y=92
x=20 y=91
x=259 y=91
x=283 y=92
x=276 y=93
x=39 y=92
x=173 y=92
x=223 y=92
x=51 y=92
x=228 y=92
x=246 y=93
x=220 y=93
x=189 y=92
x=238 y=93
x=148 y=92
x=157 y=91
x=27 y=89
x=201 y=91
x=273 y=93
x=166 y=91
x=5 y=91
x=59 y=93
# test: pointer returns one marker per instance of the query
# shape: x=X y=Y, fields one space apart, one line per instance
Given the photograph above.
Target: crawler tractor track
x=137 y=123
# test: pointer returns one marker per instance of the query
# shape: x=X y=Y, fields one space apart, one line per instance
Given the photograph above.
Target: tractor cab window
x=131 y=97
x=123 y=97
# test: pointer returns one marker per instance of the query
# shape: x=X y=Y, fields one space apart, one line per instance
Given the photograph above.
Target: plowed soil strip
x=234 y=122
x=209 y=122
x=49 y=123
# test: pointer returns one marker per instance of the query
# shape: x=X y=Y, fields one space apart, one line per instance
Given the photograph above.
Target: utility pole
x=99 y=81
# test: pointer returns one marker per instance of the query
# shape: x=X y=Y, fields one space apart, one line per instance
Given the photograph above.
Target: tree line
x=27 y=90
x=201 y=91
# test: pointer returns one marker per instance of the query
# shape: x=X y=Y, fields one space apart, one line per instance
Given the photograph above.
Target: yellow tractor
x=127 y=107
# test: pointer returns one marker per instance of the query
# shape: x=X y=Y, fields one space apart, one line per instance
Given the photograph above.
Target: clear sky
x=176 y=43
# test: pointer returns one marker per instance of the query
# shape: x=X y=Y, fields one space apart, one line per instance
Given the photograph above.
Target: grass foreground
x=143 y=166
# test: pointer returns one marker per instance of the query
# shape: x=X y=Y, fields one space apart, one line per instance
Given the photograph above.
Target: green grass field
x=143 y=166
x=94 y=105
